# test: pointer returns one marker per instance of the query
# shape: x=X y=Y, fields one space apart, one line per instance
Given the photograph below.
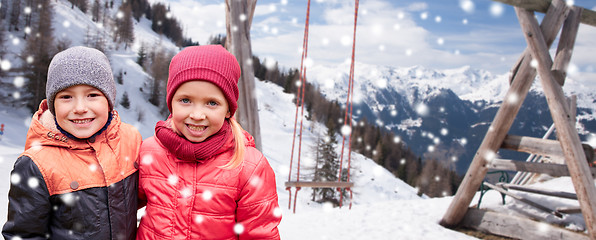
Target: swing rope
x=348 y=115
x=300 y=98
x=300 y=105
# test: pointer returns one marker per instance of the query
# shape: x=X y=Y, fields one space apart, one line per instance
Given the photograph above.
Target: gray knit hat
x=80 y=65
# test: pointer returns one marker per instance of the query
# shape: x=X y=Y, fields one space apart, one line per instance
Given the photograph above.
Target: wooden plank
x=238 y=43
x=566 y=43
x=523 y=79
x=537 y=146
x=546 y=192
x=566 y=132
x=524 y=200
x=540 y=146
x=587 y=17
x=516 y=227
x=552 y=169
x=569 y=210
x=320 y=184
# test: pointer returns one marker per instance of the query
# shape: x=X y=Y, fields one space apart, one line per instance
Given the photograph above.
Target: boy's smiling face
x=81 y=110
x=199 y=109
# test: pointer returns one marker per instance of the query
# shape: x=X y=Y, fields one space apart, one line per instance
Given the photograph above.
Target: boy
x=77 y=178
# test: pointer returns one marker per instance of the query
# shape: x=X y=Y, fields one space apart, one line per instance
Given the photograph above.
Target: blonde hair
x=239 y=145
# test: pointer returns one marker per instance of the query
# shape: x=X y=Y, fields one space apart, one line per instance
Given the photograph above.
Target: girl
x=200 y=175
x=77 y=177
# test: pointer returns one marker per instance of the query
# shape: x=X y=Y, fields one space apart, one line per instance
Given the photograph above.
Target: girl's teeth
x=196 y=128
x=81 y=121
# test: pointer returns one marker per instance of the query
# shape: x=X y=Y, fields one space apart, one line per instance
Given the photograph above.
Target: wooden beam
x=537 y=146
x=540 y=146
x=566 y=132
x=566 y=43
x=238 y=21
x=552 y=169
x=516 y=227
x=320 y=184
x=587 y=16
x=523 y=78
x=546 y=192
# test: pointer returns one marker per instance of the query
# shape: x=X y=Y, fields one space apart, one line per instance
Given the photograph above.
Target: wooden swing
x=339 y=184
x=552 y=76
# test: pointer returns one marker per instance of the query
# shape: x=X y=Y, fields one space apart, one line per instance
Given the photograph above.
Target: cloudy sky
x=439 y=34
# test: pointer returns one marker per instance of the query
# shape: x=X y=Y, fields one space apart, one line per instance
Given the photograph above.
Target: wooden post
x=522 y=81
x=566 y=132
x=239 y=15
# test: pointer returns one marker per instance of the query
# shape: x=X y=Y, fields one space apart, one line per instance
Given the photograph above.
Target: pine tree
x=15 y=15
x=37 y=55
x=327 y=168
x=124 y=23
x=125 y=102
x=96 y=11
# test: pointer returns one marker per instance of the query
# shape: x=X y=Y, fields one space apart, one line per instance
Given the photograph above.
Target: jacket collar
x=43 y=132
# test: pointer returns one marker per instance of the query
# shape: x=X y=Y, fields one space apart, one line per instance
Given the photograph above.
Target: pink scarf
x=187 y=150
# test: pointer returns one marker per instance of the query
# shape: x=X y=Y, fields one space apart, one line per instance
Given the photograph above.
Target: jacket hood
x=44 y=132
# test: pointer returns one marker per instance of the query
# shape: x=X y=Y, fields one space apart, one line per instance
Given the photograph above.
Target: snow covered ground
x=383 y=207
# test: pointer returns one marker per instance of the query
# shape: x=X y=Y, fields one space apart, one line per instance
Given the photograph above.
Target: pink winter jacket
x=200 y=200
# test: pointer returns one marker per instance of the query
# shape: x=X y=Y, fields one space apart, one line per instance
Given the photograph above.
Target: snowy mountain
x=444 y=113
x=404 y=100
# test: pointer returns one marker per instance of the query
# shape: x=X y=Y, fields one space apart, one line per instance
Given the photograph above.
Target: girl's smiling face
x=199 y=109
x=81 y=110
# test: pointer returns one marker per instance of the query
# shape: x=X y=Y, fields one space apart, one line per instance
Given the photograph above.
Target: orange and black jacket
x=71 y=189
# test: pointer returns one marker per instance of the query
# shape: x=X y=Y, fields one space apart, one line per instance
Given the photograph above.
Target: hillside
x=383 y=205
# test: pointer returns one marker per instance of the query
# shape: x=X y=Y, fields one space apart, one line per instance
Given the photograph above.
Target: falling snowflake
x=409 y=52
x=147 y=160
x=346 y=130
x=238 y=228
x=424 y=15
x=438 y=19
x=346 y=40
x=440 y=41
x=463 y=141
x=173 y=180
x=467 y=5
x=513 y=98
x=119 y=15
x=18 y=81
x=186 y=192
x=402 y=161
x=396 y=139
x=534 y=63
x=27 y=10
x=207 y=195
x=258 y=182
x=444 y=131
x=422 y=109
x=431 y=148
x=33 y=182
x=489 y=155
x=570 y=2
x=66 y=24
x=437 y=178
x=497 y=9
x=93 y=167
x=464 y=21
x=277 y=212
x=199 y=219
x=68 y=199
x=454 y=159
x=15 y=178
x=5 y=65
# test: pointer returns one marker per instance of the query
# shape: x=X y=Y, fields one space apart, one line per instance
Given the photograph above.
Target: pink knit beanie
x=211 y=63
